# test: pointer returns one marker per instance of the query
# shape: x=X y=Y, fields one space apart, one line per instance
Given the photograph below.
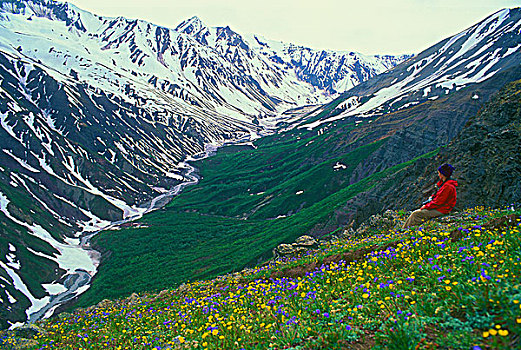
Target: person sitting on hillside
x=441 y=203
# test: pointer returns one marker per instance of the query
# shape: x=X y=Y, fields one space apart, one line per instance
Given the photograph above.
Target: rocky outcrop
x=300 y=246
x=385 y=221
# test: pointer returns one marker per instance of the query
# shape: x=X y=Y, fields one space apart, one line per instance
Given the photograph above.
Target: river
x=77 y=282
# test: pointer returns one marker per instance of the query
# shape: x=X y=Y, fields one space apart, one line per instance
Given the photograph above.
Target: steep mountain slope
x=403 y=104
x=335 y=170
x=470 y=57
x=486 y=155
x=97 y=115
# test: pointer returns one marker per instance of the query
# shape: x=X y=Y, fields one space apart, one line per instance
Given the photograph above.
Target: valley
x=98 y=114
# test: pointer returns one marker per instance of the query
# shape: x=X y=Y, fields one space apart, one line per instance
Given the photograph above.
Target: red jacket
x=445 y=198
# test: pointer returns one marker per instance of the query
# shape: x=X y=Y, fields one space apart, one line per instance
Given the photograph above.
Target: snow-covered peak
x=71 y=15
x=469 y=57
x=191 y=26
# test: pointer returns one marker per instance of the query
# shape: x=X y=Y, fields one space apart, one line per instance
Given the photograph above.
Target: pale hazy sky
x=366 y=26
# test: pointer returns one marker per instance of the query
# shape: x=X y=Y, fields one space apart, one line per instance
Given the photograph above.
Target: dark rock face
x=487 y=153
x=426 y=128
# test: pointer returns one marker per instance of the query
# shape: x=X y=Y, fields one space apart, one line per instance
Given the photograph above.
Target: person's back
x=441 y=203
x=445 y=198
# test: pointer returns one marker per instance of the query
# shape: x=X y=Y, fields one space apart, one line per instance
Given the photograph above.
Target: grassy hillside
x=451 y=283
x=229 y=221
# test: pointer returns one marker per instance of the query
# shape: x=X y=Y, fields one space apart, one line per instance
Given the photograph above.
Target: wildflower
x=503 y=332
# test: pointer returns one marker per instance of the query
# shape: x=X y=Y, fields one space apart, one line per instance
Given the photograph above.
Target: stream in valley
x=78 y=282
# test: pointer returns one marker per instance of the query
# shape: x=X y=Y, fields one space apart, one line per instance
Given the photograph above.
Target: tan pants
x=420 y=215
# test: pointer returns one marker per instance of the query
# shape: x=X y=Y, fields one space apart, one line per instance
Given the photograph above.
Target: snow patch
x=54 y=288
x=339 y=165
x=8 y=127
x=12 y=300
x=174 y=176
x=21 y=162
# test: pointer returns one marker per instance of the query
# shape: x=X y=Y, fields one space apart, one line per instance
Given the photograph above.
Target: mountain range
x=99 y=114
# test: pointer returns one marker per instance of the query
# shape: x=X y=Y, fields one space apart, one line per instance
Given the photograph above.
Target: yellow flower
x=181 y=340
x=503 y=332
x=365 y=295
x=215 y=332
x=492 y=331
x=486 y=334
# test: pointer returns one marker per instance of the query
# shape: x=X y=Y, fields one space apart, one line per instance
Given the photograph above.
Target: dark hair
x=446 y=170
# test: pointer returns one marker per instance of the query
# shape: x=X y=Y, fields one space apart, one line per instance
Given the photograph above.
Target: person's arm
x=440 y=199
